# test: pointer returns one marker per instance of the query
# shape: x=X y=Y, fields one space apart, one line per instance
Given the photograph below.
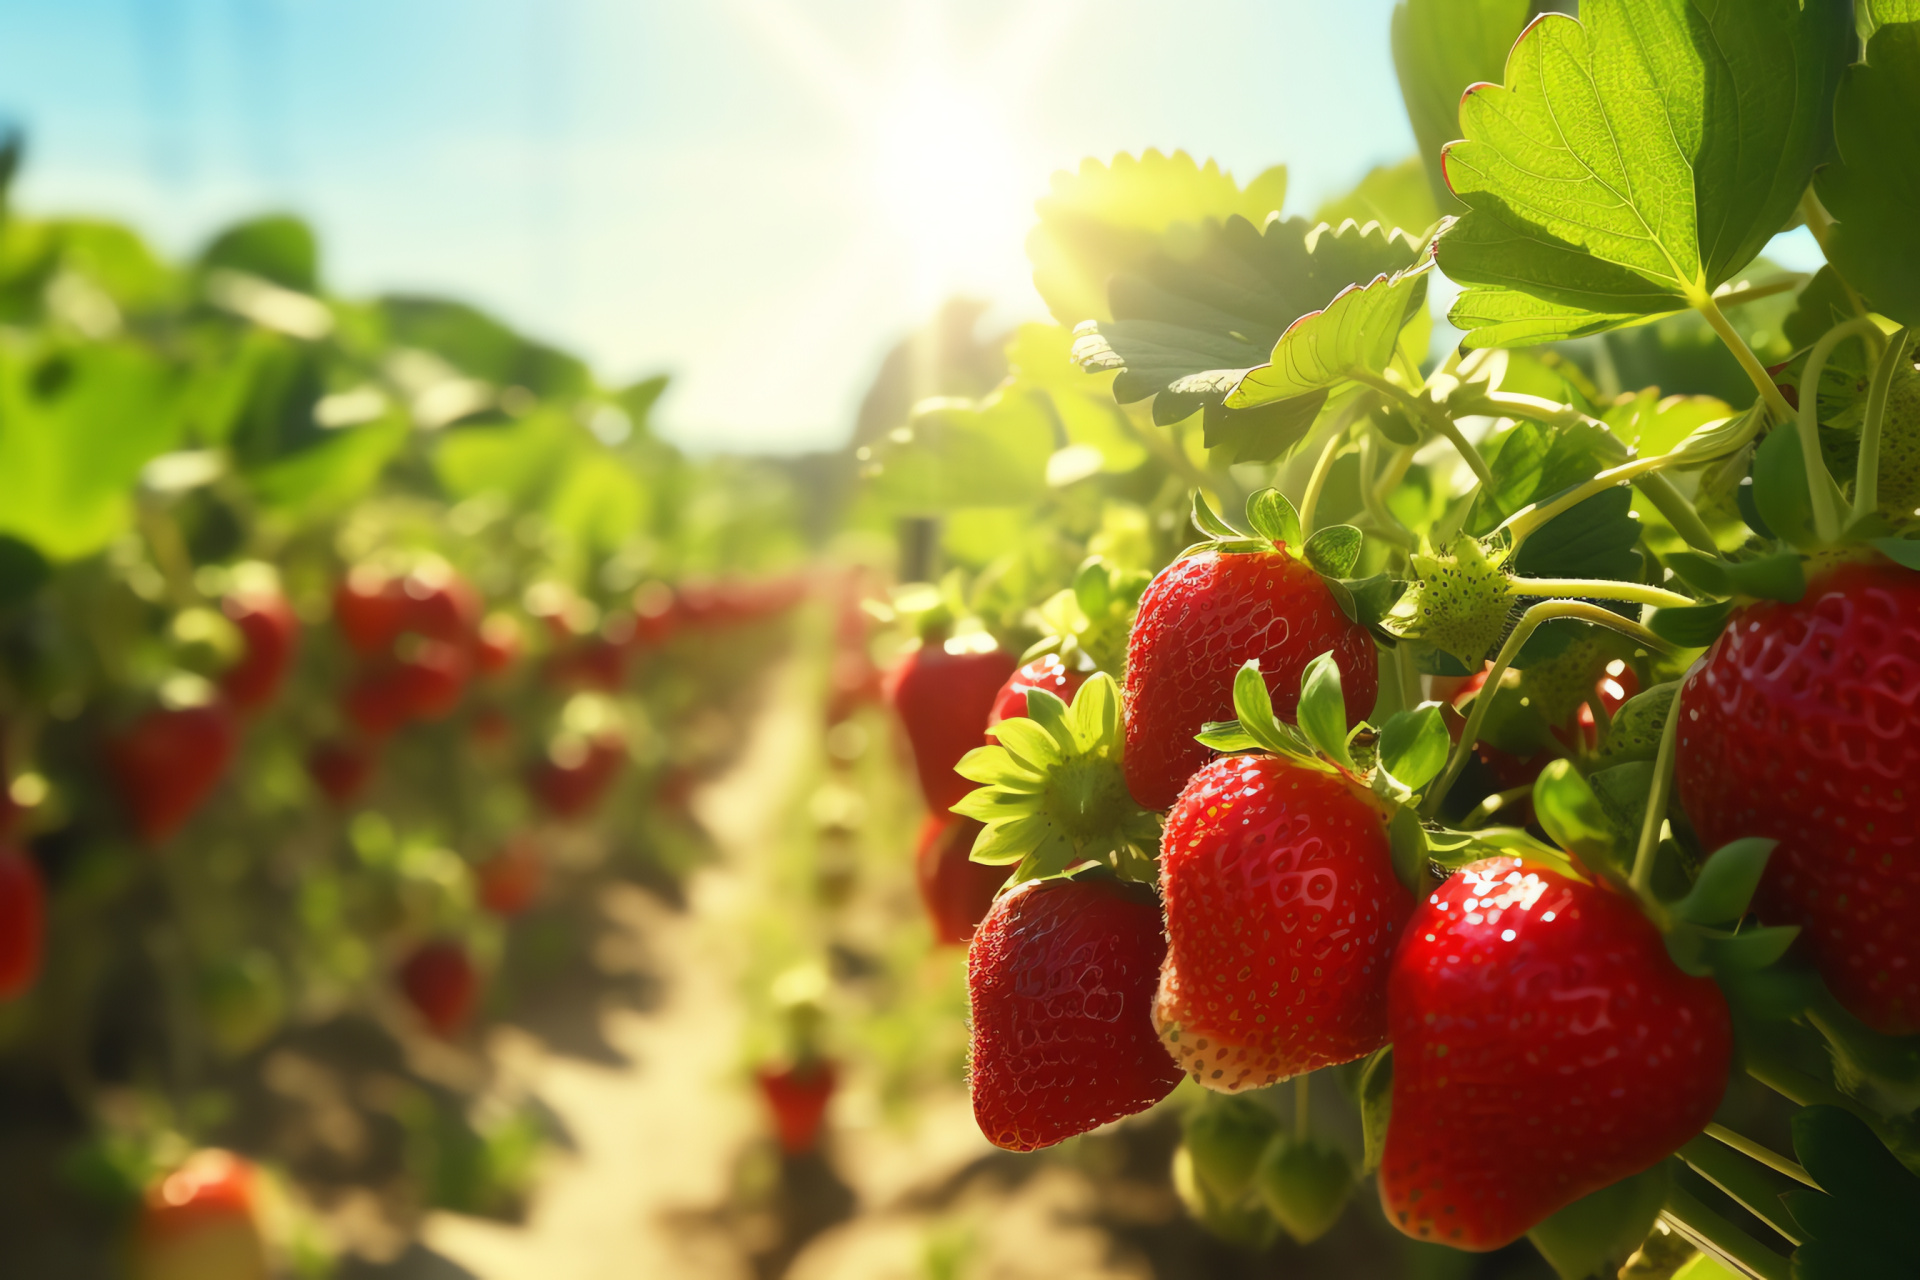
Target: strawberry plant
x=1535 y=759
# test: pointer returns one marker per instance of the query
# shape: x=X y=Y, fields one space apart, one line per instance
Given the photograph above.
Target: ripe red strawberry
x=798 y=1096
x=370 y=609
x=1045 y=672
x=430 y=679
x=375 y=702
x=1060 y=977
x=440 y=605
x=272 y=635
x=569 y=783
x=943 y=699
x=201 y=1223
x=165 y=764
x=497 y=645
x=1801 y=725
x=511 y=879
x=956 y=890
x=440 y=981
x=23 y=922
x=1544 y=1046
x=1201 y=619
x=1283 y=911
x=341 y=769
x=590 y=663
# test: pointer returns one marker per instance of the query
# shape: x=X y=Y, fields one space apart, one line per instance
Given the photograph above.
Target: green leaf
x=1354 y=336
x=76 y=428
x=1569 y=812
x=1376 y=1105
x=1227 y=737
x=1870 y=15
x=1273 y=517
x=1635 y=160
x=1334 y=550
x=1591 y=539
x=1904 y=552
x=1596 y=1234
x=1780 y=492
x=279 y=248
x=1775 y=577
x=1874 y=1194
x=23 y=571
x=962 y=454
x=1106 y=219
x=1874 y=187
x=1414 y=745
x=1440 y=47
x=1727 y=881
x=1690 y=626
x=1750 y=948
x=1395 y=195
x=1027 y=741
x=1408 y=841
x=1322 y=714
x=1214 y=300
x=1212 y=523
x=1534 y=462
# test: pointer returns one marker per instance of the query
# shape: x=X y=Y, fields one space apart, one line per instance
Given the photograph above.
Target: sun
x=947 y=179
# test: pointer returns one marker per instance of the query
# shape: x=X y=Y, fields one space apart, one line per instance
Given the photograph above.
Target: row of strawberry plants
x=1534 y=759
x=345 y=648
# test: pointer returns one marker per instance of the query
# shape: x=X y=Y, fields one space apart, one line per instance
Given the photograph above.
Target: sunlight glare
x=948 y=182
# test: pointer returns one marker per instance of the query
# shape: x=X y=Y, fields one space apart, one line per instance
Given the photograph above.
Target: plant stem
x=1435 y=417
x=1710 y=1232
x=1642 y=876
x=1526 y=521
x=1408 y=676
x=1512 y=404
x=1826 y=512
x=1803 y=1090
x=1483 y=812
x=1734 y=1174
x=1680 y=513
x=1302 y=1118
x=1765 y=1155
x=1530 y=621
x=1755 y=292
x=1602 y=589
x=1318 y=480
x=1762 y=380
x=1866 y=478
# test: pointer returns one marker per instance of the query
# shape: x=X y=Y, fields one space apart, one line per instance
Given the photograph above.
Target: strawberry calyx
x=1395 y=761
x=1086 y=624
x=1052 y=794
x=1333 y=552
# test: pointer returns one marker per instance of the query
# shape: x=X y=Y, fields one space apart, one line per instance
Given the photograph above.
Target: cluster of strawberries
x=1544 y=1041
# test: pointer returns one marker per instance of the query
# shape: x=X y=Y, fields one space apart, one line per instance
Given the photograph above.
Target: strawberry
x=341 y=769
x=440 y=981
x=1283 y=911
x=440 y=604
x=497 y=645
x=201 y=1223
x=370 y=609
x=510 y=880
x=1544 y=1046
x=592 y=663
x=271 y=634
x=430 y=679
x=23 y=922
x=571 y=779
x=1200 y=620
x=1568 y=726
x=956 y=890
x=943 y=697
x=1045 y=672
x=166 y=763
x=1060 y=978
x=1800 y=725
x=798 y=1096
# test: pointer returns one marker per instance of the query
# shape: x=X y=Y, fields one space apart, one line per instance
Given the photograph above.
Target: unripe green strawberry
x=1899 y=489
x=1226 y=1137
x=1305 y=1185
x=1246 y=1224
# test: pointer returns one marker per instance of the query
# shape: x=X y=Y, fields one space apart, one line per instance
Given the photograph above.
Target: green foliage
x=1635 y=160
x=1874 y=187
x=1439 y=49
x=1354 y=338
x=1596 y=1234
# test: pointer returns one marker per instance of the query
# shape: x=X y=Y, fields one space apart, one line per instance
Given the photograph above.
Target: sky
x=757 y=196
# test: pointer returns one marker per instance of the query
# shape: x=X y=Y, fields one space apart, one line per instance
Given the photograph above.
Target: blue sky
x=757 y=195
